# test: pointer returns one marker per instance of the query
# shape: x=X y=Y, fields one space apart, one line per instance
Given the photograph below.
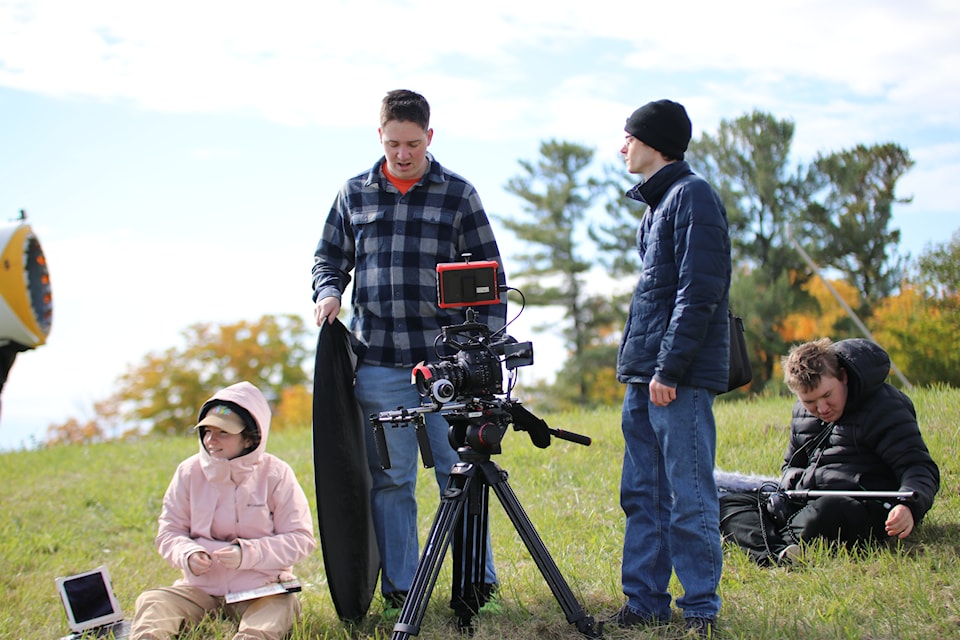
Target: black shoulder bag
x=741 y=372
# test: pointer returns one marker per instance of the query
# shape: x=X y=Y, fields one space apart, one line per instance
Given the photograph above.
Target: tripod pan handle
x=570 y=436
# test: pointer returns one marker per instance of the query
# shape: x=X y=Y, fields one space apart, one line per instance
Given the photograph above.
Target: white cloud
x=306 y=61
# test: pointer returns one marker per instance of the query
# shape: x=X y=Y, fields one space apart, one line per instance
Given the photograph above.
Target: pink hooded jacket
x=253 y=500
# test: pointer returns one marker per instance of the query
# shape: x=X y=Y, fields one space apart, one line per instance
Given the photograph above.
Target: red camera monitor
x=467 y=284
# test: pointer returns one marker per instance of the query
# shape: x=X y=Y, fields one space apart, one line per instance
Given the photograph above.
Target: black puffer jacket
x=677 y=328
x=875 y=445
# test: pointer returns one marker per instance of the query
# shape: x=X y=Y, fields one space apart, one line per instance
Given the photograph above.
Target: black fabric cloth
x=342 y=478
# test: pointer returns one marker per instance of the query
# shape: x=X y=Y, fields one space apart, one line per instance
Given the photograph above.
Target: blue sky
x=176 y=159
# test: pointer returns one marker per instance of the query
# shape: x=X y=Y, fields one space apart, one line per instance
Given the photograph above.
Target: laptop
x=92 y=609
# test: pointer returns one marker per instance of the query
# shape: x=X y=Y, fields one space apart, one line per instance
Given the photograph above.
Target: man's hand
x=199 y=563
x=326 y=309
x=660 y=394
x=899 y=522
x=229 y=556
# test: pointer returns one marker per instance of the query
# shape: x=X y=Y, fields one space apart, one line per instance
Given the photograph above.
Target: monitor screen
x=88 y=597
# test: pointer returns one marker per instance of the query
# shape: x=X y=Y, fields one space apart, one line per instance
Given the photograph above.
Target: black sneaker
x=702 y=627
x=627 y=618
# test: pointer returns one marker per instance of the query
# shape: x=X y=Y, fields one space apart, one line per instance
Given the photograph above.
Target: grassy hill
x=68 y=509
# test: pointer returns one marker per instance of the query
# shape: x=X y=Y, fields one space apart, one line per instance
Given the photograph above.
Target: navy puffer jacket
x=677 y=329
x=875 y=445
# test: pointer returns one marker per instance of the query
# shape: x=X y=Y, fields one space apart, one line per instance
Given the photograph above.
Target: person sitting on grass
x=234 y=518
x=850 y=432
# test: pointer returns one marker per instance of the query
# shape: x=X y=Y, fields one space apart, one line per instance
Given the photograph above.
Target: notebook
x=92 y=609
x=285 y=586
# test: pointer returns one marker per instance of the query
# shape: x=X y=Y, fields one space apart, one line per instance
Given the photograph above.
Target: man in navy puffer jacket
x=674 y=359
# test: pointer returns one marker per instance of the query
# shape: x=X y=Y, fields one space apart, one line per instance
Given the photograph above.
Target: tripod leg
x=497 y=478
x=449 y=513
x=469 y=557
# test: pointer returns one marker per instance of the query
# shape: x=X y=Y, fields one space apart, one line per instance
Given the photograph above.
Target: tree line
x=809 y=241
x=791 y=225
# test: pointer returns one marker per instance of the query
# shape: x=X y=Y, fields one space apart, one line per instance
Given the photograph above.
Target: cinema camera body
x=467 y=386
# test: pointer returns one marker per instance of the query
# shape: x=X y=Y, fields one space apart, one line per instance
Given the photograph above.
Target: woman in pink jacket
x=234 y=519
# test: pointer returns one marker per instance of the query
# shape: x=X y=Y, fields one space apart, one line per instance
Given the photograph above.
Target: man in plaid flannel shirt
x=391 y=226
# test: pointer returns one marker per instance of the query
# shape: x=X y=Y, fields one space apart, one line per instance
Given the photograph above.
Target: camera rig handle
x=400 y=416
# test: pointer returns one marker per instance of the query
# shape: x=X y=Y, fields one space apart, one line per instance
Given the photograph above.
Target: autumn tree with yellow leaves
x=163 y=393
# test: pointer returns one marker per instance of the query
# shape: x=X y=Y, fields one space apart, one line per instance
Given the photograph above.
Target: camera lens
x=423 y=378
x=443 y=391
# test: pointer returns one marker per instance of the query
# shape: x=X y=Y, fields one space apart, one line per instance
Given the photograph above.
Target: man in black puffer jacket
x=850 y=432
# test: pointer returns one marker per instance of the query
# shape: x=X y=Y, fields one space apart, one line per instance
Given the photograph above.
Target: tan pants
x=163 y=613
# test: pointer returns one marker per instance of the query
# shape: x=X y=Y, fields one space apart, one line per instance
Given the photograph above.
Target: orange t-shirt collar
x=402 y=185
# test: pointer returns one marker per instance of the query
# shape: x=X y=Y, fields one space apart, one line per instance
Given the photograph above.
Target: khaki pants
x=163 y=613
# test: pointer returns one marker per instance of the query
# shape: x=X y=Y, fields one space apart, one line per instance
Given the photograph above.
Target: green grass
x=68 y=509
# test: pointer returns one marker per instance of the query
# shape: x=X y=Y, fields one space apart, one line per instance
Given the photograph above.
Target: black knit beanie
x=663 y=125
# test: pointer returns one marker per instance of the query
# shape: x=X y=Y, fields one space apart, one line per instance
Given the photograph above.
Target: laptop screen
x=89 y=600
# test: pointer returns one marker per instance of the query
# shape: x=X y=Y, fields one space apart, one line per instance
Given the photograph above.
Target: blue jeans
x=669 y=496
x=393 y=499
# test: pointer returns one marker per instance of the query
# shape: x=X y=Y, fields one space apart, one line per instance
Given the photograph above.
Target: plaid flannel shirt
x=393 y=242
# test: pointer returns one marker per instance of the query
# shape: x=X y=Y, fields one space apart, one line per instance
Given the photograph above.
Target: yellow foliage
x=893 y=317
x=605 y=389
x=295 y=408
x=801 y=327
x=74 y=432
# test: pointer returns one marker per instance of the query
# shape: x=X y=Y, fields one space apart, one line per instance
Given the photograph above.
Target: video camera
x=475 y=368
x=467 y=386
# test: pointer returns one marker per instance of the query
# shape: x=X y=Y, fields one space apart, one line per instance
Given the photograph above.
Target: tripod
x=463 y=516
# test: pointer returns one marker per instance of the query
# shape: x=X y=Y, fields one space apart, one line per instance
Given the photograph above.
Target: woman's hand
x=199 y=563
x=229 y=557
